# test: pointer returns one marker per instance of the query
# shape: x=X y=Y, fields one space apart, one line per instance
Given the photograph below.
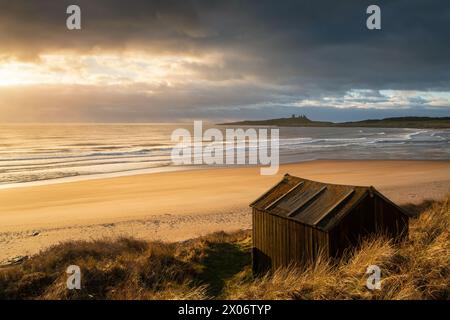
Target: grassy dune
x=219 y=266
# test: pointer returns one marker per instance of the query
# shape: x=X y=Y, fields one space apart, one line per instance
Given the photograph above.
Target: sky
x=169 y=61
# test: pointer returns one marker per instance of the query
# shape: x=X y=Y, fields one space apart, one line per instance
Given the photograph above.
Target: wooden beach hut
x=298 y=218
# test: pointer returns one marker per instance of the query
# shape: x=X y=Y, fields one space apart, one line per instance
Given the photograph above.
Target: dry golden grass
x=130 y=269
x=418 y=268
x=219 y=266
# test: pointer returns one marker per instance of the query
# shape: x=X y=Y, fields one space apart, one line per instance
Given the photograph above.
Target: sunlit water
x=47 y=152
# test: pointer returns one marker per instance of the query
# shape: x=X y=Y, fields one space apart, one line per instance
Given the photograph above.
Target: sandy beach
x=174 y=206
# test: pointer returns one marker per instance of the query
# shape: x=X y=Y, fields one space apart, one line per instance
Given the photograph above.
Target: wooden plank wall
x=390 y=220
x=278 y=242
x=372 y=215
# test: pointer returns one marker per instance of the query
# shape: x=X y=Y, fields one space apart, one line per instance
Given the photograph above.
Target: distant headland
x=397 y=122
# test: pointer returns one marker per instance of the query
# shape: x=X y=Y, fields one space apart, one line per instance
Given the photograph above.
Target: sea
x=49 y=153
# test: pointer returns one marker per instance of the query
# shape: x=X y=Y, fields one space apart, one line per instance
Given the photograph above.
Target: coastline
x=178 y=205
x=168 y=169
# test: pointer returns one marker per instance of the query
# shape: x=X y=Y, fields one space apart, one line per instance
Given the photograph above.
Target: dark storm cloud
x=295 y=50
x=29 y=28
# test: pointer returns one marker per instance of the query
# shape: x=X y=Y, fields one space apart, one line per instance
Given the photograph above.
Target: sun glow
x=102 y=69
x=14 y=73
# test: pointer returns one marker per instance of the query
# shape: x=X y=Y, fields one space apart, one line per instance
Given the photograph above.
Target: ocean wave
x=22 y=158
x=141 y=152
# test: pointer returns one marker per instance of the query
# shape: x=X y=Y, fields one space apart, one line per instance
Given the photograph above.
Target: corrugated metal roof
x=312 y=203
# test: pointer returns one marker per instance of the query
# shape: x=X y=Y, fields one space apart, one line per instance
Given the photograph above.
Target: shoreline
x=167 y=169
x=178 y=205
x=93 y=176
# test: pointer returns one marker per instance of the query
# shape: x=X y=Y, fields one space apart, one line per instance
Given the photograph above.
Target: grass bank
x=219 y=266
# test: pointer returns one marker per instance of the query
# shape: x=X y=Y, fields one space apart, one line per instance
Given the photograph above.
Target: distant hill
x=402 y=122
x=398 y=122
